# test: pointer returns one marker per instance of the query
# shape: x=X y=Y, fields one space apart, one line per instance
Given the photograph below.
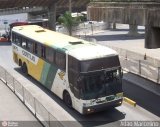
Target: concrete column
x=114 y=26
x=133 y=30
x=152 y=37
x=52 y=16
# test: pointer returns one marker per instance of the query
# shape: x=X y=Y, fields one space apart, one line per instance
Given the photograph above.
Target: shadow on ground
x=117 y=37
x=97 y=119
x=139 y=30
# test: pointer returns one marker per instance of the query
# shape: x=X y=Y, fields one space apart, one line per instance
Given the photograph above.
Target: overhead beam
x=30 y=3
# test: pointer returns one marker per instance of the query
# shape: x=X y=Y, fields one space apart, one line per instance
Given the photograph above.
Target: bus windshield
x=101 y=84
x=99 y=64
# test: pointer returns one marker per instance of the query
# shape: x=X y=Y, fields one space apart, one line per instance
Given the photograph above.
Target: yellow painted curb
x=131 y=102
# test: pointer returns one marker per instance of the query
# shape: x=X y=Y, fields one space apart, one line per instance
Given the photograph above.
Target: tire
x=67 y=99
x=24 y=69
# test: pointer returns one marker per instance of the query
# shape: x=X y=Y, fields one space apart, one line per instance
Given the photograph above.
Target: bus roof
x=80 y=49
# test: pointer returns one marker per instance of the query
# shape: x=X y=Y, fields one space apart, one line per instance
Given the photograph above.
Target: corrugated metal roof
x=30 y=3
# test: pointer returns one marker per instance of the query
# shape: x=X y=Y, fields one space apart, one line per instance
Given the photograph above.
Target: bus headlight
x=120 y=102
x=88 y=110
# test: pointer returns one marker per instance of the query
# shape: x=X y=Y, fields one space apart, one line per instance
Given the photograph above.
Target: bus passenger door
x=59 y=83
x=60 y=79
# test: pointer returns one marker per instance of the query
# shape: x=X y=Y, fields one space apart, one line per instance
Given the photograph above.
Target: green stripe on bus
x=51 y=76
x=48 y=75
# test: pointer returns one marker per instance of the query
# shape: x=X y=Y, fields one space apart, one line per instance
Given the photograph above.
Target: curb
x=129 y=101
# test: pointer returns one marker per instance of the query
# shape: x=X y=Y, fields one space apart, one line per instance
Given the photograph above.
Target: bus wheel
x=24 y=69
x=67 y=99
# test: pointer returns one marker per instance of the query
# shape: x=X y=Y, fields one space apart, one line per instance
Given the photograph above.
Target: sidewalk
x=12 y=109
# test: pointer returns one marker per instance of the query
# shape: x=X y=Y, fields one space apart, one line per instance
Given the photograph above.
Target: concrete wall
x=118 y=15
x=145 y=13
x=135 y=63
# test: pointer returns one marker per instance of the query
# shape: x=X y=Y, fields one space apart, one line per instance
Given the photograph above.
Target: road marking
x=129 y=101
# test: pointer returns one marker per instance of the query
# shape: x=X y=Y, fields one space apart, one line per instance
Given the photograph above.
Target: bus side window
x=73 y=64
x=24 y=43
x=13 y=38
x=71 y=73
x=60 y=60
x=16 y=39
x=19 y=40
x=50 y=54
x=35 y=48
x=38 y=50
x=30 y=46
x=43 y=51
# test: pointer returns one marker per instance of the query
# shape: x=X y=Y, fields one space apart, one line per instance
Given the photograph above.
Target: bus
x=85 y=75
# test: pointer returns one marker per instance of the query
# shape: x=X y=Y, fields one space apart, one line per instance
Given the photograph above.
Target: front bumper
x=101 y=107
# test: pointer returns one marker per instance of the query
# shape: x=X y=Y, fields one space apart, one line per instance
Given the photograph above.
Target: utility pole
x=70 y=6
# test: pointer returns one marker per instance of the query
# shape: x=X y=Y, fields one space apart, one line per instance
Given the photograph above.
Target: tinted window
x=24 y=43
x=43 y=51
x=50 y=54
x=73 y=64
x=30 y=46
x=35 y=48
x=38 y=50
x=73 y=69
x=18 y=40
x=101 y=63
x=13 y=37
x=60 y=60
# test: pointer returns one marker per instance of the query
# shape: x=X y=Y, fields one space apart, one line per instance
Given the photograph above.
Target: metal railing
x=140 y=64
x=38 y=110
